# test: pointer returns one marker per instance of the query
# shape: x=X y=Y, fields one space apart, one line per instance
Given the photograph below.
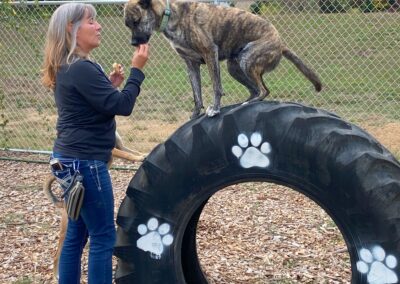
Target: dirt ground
x=388 y=135
x=248 y=233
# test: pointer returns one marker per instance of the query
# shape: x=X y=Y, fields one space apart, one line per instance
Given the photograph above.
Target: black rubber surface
x=335 y=163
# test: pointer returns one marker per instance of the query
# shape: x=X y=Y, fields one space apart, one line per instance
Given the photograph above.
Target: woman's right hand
x=140 y=56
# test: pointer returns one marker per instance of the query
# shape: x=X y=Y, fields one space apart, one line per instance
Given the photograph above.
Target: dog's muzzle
x=138 y=39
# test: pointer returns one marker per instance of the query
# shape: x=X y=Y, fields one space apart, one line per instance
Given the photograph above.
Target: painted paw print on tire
x=154 y=237
x=253 y=155
x=377 y=266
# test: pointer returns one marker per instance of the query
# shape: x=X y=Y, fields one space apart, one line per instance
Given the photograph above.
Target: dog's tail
x=50 y=195
x=310 y=75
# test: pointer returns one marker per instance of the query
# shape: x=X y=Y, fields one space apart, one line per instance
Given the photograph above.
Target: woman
x=87 y=102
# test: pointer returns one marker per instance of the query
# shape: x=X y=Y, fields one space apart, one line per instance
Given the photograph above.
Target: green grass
x=355 y=54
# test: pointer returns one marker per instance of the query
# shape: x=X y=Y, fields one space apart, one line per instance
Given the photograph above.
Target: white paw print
x=377 y=266
x=154 y=237
x=254 y=155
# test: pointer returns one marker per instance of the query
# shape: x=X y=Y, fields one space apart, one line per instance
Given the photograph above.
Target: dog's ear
x=145 y=4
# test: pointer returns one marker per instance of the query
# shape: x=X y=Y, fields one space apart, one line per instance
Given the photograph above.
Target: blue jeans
x=96 y=223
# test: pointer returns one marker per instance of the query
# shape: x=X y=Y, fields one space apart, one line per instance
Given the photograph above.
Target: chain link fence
x=352 y=44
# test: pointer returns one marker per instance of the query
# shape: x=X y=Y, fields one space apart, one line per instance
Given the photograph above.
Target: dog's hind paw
x=212 y=112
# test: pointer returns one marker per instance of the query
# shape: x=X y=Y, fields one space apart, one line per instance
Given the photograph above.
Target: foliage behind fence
x=352 y=44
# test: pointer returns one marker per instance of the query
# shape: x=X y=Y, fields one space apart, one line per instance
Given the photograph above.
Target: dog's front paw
x=212 y=112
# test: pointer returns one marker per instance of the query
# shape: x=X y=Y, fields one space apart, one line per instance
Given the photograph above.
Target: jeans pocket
x=95 y=169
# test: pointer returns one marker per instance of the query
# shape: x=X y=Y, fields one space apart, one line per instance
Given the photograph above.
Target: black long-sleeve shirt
x=87 y=104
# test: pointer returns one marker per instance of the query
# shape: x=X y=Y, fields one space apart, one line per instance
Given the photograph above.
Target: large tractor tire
x=335 y=163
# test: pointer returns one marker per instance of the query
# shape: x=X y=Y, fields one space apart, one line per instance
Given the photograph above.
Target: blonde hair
x=60 y=47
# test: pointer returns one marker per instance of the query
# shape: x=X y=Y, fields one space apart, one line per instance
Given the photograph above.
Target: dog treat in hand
x=117 y=68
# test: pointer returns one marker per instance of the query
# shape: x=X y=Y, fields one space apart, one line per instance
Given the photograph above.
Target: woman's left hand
x=117 y=78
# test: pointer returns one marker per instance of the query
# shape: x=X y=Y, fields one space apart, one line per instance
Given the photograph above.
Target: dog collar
x=165 y=18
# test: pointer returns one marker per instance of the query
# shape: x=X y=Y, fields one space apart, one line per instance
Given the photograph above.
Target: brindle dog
x=205 y=33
